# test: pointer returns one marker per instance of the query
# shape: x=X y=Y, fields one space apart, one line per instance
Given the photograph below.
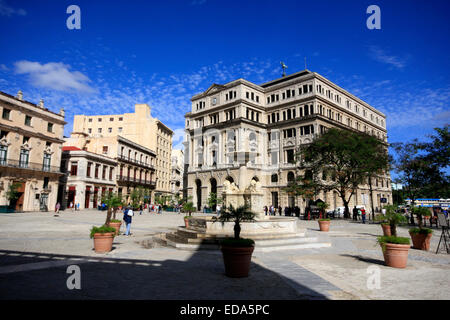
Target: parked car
x=339 y=212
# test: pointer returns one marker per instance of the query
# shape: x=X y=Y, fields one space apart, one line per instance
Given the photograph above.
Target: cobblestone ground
x=36 y=249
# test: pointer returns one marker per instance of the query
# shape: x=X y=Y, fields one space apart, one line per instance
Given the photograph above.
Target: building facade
x=139 y=127
x=125 y=164
x=31 y=138
x=240 y=131
x=177 y=172
x=89 y=176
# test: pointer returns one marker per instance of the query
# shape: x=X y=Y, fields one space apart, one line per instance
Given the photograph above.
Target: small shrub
x=324 y=219
x=394 y=240
x=420 y=231
x=102 y=229
x=241 y=242
x=115 y=220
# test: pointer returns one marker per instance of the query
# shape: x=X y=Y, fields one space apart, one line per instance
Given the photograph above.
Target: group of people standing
x=288 y=211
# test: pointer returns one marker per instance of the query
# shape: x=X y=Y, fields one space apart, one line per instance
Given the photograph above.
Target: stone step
x=311 y=245
x=193 y=234
x=285 y=241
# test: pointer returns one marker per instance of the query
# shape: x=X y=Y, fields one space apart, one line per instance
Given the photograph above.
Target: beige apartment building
x=139 y=127
x=243 y=136
x=31 y=137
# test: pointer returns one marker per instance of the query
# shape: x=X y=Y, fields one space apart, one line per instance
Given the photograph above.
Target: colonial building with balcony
x=88 y=177
x=177 y=172
x=31 y=137
x=134 y=164
x=240 y=131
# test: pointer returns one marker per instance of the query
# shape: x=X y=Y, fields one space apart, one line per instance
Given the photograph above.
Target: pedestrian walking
x=218 y=208
x=355 y=213
x=78 y=206
x=265 y=210
x=363 y=215
x=57 y=207
x=140 y=209
x=127 y=217
x=71 y=205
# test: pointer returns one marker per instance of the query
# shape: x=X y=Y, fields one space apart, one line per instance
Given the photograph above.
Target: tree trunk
x=108 y=216
x=393 y=229
x=237 y=230
x=371 y=199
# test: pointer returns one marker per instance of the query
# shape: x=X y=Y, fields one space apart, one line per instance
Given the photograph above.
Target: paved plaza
x=37 y=248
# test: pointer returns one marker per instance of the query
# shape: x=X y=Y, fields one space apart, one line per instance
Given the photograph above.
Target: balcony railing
x=29 y=165
x=135 y=180
x=135 y=161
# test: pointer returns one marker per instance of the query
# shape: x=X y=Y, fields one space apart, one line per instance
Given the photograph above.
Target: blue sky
x=164 y=52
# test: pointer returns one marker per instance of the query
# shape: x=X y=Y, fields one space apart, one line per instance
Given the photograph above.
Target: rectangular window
x=111 y=119
x=74 y=168
x=96 y=171
x=105 y=149
x=99 y=130
x=88 y=171
x=6 y=113
x=90 y=120
x=109 y=130
x=90 y=130
x=27 y=120
x=47 y=160
x=99 y=119
x=3 y=153
x=119 y=129
x=50 y=127
x=120 y=119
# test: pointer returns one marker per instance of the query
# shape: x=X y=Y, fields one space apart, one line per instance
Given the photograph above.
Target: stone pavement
x=36 y=249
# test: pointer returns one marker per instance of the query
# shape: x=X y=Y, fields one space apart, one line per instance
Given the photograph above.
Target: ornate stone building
x=244 y=136
x=177 y=172
x=31 y=137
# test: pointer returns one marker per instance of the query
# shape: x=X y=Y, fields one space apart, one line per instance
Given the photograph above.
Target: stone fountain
x=268 y=232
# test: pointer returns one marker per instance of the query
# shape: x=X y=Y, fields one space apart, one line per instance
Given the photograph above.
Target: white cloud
x=8 y=11
x=178 y=138
x=380 y=55
x=54 y=75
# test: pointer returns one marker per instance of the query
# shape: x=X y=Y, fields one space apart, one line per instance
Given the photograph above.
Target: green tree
x=393 y=218
x=188 y=207
x=213 y=201
x=12 y=195
x=344 y=155
x=113 y=201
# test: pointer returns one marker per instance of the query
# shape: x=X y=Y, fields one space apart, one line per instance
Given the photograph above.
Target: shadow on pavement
x=33 y=275
x=365 y=259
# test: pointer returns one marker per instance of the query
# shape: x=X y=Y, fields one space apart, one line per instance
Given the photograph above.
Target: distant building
x=245 y=135
x=443 y=203
x=177 y=172
x=31 y=137
x=139 y=127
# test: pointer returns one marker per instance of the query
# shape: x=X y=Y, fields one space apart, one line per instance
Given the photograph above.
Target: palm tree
x=188 y=207
x=237 y=215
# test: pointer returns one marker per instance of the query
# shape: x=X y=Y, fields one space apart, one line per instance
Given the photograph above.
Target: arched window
x=274 y=178
x=290 y=176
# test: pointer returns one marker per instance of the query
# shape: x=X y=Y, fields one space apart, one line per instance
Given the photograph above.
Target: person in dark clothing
x=286 y=211
x=355 y=213
x=280 y=210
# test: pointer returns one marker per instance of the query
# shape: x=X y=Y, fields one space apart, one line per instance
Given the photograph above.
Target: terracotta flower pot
x=186 y=222
x=324 y=225
x=421 y=241
x=103 y=242
x=386 y=229
x=237 y=261
x=396 y=255
x=116 y=225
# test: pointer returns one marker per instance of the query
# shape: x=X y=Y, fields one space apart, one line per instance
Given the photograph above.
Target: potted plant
x=237 y=251
x=395 y=249
x=421 y=236
x=390 y=219
x=188 y=207
x=323 y=206
x=324 y=224
x=113 y=202
x=103 y=238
